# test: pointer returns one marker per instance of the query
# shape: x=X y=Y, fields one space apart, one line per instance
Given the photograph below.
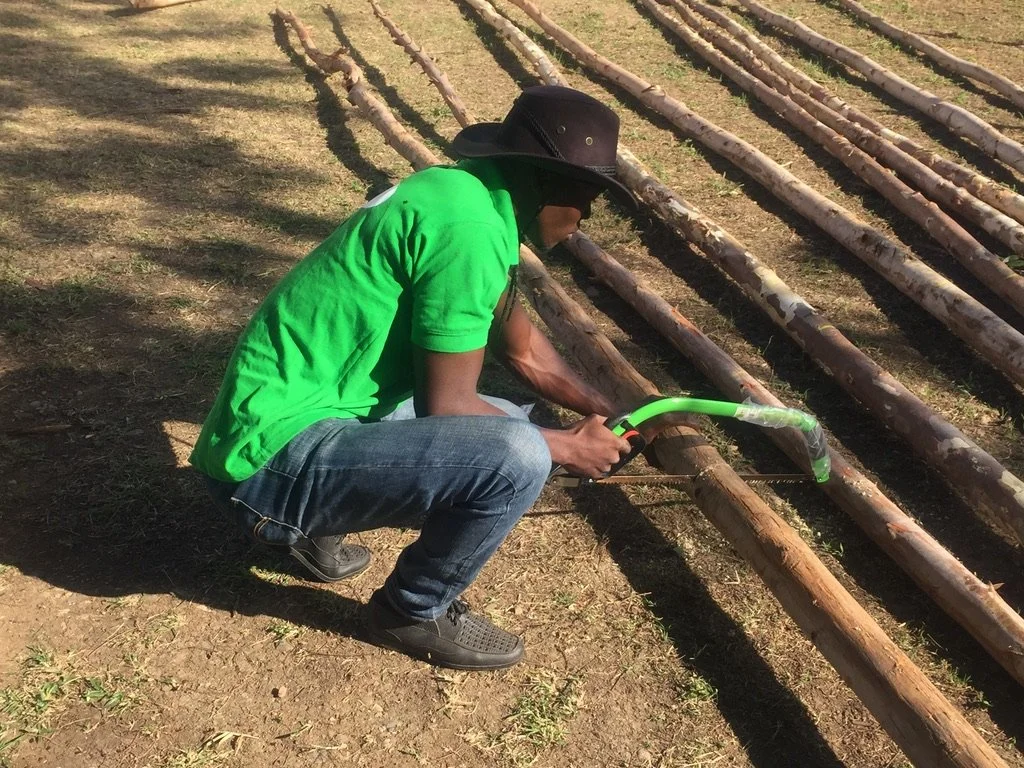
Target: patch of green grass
x=542 y=713
x=565 y=599
x=589 y=23
x=723 y=187
x=688 y=148
x=10 y=274
x=29 y=710
x=271 y=577
x=675 y=71
x=195 y=758
x=284 y=630
x=102 y=693
x=657 y=623
x=697 y=690
x=182 y=302
x=1015 y=262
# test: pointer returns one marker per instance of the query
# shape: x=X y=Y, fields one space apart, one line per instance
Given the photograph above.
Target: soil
x=160 y=171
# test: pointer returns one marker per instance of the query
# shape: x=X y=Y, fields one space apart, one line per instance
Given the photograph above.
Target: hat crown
x=564 y=124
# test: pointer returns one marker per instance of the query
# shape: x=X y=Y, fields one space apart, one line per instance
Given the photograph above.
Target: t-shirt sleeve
x=457 y=281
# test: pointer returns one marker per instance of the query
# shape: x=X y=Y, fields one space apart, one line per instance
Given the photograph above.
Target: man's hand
x=586 y=448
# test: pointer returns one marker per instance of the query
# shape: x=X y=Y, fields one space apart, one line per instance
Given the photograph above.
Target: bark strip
x=970 y=601
x=957 y=119
x=925 y=725
x=992 y=192
x=981 y=262
x=938 y=54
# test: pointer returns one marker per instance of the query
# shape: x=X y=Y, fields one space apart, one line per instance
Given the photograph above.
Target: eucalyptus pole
x=957 y=119
x=992 y=192
x=938 y=54
x=925 y=725
x=981 y=262
x=975 y=604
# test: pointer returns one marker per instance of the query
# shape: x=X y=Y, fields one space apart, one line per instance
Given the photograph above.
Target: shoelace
x=456 y=609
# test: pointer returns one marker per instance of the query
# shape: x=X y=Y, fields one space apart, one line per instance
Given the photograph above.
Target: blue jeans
x=463 y=481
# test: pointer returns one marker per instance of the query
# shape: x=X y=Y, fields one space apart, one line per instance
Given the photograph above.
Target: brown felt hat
x=560 y=129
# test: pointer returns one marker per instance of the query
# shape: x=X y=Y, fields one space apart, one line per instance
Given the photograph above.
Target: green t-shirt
x=423 y=263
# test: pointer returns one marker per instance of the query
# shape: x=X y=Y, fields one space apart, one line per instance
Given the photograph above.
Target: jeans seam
x=264 y=519
x=268 y=468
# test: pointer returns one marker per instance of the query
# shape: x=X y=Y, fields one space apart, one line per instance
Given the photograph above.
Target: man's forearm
x=538 y=364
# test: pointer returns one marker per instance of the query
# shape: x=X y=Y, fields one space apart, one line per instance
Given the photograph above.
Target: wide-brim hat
x=562 y=130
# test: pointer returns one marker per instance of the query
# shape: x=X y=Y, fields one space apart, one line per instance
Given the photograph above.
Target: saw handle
x=621 y=427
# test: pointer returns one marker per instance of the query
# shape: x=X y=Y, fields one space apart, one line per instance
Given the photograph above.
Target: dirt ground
x=160 y=171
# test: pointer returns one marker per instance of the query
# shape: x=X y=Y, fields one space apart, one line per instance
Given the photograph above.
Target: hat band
x=542 y=136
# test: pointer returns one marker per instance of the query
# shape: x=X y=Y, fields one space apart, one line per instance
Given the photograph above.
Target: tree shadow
x=135 y=140
x=499 y=50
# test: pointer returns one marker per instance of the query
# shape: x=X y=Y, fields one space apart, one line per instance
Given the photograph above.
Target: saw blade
x=569 y=481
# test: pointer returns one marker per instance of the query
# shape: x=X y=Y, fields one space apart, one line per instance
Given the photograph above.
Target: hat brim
x=478 y=140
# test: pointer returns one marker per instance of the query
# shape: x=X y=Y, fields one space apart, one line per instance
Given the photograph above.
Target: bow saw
x=763 y=415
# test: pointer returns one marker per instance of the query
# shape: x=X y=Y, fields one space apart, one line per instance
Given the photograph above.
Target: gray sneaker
x=329 y=558
x=458 y=640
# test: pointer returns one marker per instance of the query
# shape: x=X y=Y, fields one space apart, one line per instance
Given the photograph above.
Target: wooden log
x=957 y=119
x=991 y=192
x=938 y=54
x=978 y=260
x=926 y=726
x=956 y=199
x=971 y=602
